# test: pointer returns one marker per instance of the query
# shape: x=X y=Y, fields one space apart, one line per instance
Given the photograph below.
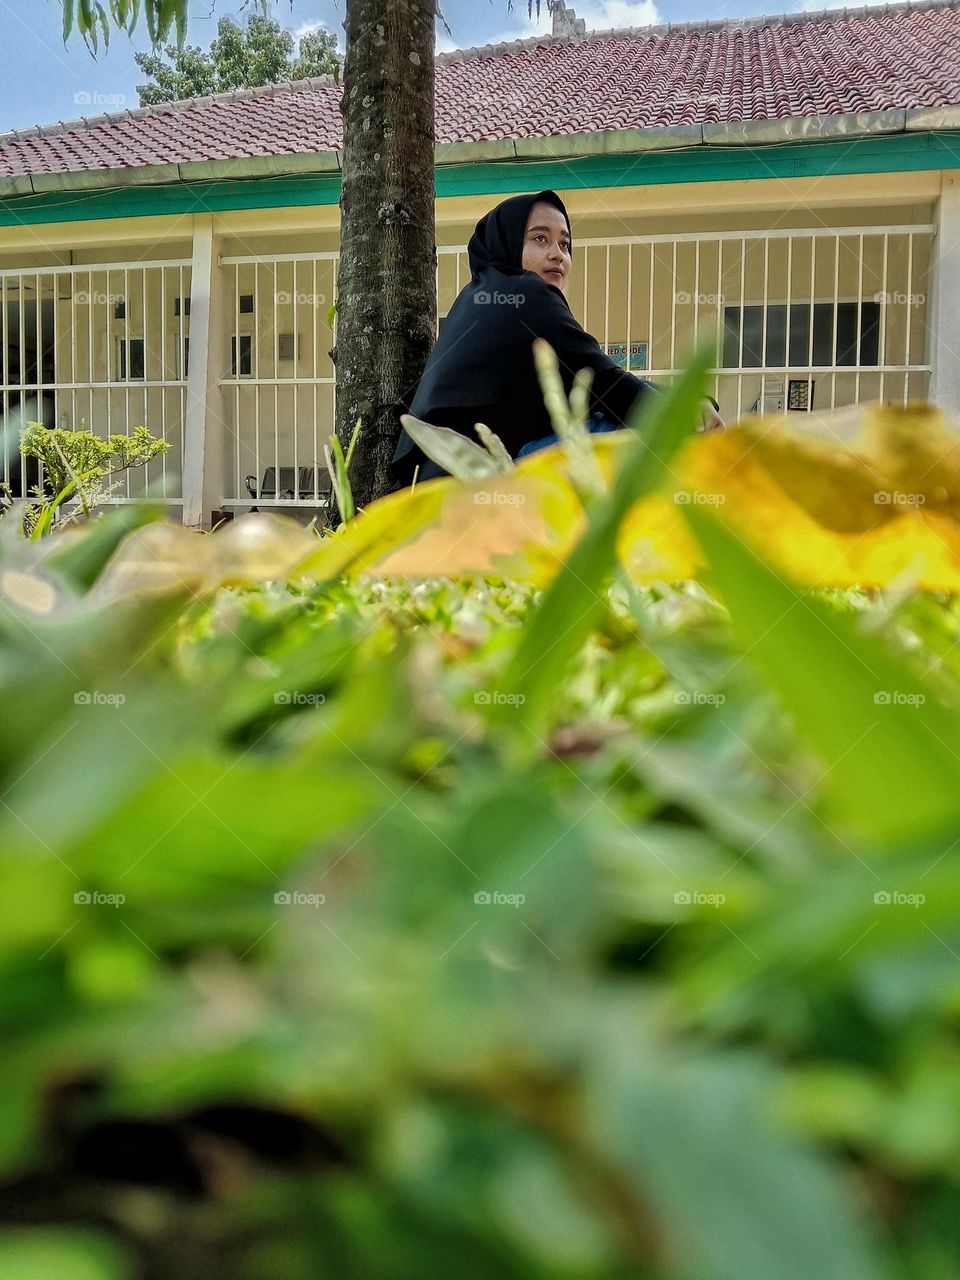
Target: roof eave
x=150 y=175
x=571 y=146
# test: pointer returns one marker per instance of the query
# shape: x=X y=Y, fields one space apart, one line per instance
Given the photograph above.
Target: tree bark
x=386 y=293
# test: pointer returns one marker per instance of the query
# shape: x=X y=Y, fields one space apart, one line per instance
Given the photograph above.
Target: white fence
x=801 y=319
x=280 y=385
x=100 y=346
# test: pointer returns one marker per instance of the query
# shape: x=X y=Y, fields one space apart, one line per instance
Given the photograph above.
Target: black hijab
x=482 y=367
x=499 y=235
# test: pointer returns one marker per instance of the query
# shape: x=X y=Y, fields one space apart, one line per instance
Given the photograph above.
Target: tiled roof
x=794 y=65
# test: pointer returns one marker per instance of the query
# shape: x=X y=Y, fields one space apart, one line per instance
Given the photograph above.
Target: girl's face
x=546 y=245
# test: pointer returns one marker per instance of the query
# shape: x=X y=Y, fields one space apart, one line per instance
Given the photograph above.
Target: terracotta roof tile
x=871 y=59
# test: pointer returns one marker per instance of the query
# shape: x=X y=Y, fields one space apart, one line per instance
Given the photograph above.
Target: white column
x=205 y=427
x=943 y=309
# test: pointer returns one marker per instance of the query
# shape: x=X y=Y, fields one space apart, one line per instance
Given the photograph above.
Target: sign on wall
x=617 y=351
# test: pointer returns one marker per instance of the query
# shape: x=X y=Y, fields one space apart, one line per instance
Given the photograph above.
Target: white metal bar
x=786 y=324
x=255 y=365
x=7 y=425
x=276 y=389
x=673 y=309
x=237 y=426
x=859 y=353
x=836 y=305
x=650 y=336
x=908 y=336
x=743 y=324
x=88 y=267
x=882 y=352
x=243 y=259
x=316 y=344
x=777 y=233
x=630 y=301
x=296 y=397
x=127 y=307
x=763 y=324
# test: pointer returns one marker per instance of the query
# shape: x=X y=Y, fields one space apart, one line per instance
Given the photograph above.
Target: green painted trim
x=888 y=153
x=182 y=197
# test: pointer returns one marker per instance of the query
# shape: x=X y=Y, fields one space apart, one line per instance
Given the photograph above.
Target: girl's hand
x=710 y=419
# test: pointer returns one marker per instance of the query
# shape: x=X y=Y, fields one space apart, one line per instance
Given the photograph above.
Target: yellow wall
x=290 y=423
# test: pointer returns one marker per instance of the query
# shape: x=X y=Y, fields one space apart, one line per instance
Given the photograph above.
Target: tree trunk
x=386 y=294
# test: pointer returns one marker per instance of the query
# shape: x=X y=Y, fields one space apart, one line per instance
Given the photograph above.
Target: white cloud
x=818 y=6
x=521 y=30
x=308 y=28
x=600 y=15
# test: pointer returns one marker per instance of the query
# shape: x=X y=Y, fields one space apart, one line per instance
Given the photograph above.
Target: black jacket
x=482 y=367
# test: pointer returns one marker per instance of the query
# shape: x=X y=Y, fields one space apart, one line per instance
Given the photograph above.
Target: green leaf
x=43 y=1254
x=454 y=452
x=737 y=1197
x=573 y=604
x=890 y=749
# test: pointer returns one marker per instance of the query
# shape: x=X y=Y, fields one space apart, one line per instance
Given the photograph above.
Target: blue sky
x=42 y=81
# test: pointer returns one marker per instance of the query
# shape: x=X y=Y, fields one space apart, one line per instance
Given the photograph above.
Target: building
x=789 y=184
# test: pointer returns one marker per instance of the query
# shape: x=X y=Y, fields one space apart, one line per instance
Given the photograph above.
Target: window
x=246 y=356
x=181 y=304
x=246 y=304
x=793 y=349
x=120 y=309
x=183 y=358
x=131 y=361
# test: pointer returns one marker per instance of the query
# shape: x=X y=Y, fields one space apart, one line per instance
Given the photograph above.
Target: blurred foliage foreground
x=409 y=929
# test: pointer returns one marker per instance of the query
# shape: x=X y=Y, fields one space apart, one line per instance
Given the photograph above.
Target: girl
x=482 y=367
